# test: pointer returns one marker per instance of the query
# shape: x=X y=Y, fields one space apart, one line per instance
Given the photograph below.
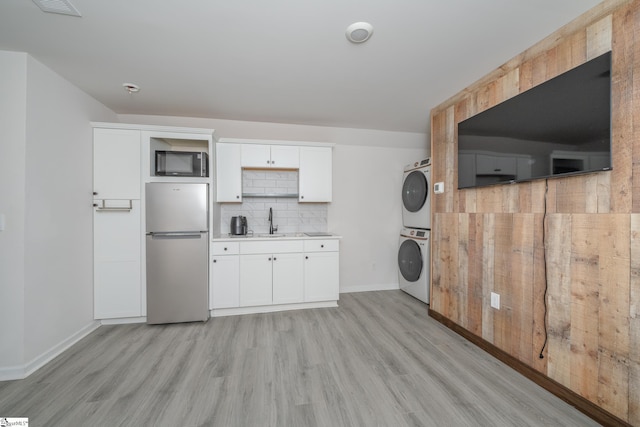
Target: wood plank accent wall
x=578 y=237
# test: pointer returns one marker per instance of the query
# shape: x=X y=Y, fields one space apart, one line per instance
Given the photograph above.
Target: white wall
x=46 y=188
x=13 y=85
x=366 y=207
x=59 y=214
x=367 y=212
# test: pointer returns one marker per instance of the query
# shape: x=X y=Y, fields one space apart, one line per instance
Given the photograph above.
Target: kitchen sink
x=271 y=235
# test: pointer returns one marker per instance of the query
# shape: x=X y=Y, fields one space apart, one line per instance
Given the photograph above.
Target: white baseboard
x=12 y=373
x=369 y=288
x=221 y=312
x=124 y=320
x=23 y=371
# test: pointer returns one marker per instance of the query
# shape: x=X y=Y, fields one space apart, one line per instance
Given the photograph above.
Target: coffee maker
x=238 y=226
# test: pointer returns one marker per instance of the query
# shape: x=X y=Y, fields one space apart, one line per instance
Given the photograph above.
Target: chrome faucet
x=272 y=229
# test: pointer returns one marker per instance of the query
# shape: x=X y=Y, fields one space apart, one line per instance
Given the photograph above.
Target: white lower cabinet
x=321 y=270
x=270 y=272
x=116 y=258
x=224 y=275
x=263 y=273
x=255 y=280
x=225 y=282
x=288 y=276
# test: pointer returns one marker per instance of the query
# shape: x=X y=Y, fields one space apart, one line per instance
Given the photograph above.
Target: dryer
x=416 y=197
x=414 y=263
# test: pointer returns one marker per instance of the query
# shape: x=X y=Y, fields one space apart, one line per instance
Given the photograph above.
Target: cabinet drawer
x=262 y=247
x=225 y=248
x=322 y=245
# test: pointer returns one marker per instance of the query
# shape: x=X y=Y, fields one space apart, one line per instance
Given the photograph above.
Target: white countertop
x=277 y=236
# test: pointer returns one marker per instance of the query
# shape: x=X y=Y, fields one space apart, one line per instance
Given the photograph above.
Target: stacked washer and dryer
x=414 y=248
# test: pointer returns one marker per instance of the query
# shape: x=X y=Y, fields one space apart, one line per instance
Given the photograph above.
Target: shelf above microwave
x=271 y=195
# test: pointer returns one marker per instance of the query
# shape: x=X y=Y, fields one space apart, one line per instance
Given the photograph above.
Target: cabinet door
x=225 y=282
x=321 y=276
x=228 y=173
x=255 y=280
x=117 y=263
x=116 y=163
x=255 y=156
x=288 y=278
x=315 y=174
x=285 y=156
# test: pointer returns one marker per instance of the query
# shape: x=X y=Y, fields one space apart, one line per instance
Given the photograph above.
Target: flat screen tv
x=560 y=127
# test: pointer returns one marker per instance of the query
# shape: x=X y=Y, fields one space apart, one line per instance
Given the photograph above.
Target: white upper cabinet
x=315 y=183
x=255 y=156
x=285 y=156
x=228 y=173
x=312 y=160
x=269 y=156
x=116 y=164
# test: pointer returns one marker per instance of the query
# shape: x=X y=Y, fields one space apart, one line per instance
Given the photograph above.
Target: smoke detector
x=63 y=7
x=359 y=32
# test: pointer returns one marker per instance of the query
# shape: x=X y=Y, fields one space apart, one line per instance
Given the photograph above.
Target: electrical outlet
x=495 y=300
x=438 y=188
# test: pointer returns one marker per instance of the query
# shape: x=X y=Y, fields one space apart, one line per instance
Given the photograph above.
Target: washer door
x=410 y=260
x=415 y=191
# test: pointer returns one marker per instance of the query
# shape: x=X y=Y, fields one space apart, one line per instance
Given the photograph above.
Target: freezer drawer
x=177 y=277
x=176 y=207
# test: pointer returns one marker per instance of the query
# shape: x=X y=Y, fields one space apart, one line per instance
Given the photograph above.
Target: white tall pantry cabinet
x=117 y=223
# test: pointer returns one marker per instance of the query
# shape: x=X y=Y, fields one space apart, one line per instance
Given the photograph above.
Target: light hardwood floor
x=377 y=360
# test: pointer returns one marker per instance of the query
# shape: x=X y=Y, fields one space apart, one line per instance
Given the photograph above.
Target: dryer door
x=410 y=260
x=415 y=191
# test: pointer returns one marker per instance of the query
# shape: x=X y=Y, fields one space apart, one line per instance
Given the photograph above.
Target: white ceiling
x=283 y=61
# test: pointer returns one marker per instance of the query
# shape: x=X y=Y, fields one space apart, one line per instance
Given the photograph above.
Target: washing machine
x=416 y=197
x=414 y=263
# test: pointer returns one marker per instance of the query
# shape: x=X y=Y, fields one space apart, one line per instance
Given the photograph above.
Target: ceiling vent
x=63 y=7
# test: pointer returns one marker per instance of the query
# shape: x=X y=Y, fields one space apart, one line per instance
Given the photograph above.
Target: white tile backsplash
x=288 y=215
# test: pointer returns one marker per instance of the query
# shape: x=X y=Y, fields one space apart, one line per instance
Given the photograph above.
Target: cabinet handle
x=302 y=197
x=273 y=162
x=269 y=259
x=322 y=246
x=237 y=197
x=214 y=261
x=497 y=170
x=95 y=193
x=225 y=249
x=274 y=258
x=102 y=207
x=306 y=257
x=268 y=162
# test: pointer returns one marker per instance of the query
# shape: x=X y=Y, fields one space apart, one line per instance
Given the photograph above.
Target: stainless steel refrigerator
x=177 y=252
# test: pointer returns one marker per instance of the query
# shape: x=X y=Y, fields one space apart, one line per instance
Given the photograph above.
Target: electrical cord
x=544 y=254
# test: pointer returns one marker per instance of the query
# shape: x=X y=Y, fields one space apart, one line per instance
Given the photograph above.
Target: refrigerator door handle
x=176 y=234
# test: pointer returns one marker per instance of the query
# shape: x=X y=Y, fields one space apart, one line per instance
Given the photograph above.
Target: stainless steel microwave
x=182 y=163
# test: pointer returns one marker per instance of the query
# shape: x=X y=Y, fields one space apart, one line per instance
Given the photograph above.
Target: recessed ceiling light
x=131 y=88
x=359 y=32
